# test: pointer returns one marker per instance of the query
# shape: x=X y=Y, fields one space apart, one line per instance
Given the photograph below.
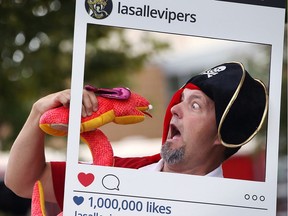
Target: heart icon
x=85 y=179
x=78 y=200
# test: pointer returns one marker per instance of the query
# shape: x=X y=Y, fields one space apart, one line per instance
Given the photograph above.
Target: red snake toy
x=117 y=105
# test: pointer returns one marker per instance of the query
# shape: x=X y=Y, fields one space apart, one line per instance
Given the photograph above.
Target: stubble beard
x=170 y=155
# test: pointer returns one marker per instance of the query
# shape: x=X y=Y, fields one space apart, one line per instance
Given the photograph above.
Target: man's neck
x=185 y=168
x=192 y=171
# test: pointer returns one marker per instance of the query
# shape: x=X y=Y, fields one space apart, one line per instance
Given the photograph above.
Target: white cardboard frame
x=178 y=194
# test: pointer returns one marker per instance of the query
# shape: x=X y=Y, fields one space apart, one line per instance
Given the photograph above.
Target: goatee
x=170 y=155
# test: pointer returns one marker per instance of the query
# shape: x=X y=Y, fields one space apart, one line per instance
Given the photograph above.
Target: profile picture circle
x=99 y=9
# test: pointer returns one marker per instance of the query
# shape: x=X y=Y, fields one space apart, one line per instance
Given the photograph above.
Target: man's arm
x=27 y=162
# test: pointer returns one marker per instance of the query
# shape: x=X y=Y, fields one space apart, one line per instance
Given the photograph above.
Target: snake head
x=129 y=111
x=132 y=111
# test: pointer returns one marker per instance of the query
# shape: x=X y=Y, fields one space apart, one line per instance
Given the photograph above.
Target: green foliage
x=36 y=39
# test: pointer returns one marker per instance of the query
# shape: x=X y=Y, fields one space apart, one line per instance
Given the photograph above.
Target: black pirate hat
x=240 y=101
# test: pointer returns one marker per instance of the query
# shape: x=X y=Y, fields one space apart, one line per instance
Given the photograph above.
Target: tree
x=36 y=56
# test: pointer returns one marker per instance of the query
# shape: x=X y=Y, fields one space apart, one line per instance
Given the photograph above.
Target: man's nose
x=176 y=110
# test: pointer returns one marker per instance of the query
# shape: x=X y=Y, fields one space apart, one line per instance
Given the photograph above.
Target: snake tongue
x=148 y=114
x=150 y=107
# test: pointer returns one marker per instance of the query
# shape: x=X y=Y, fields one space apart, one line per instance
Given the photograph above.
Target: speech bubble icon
x=111 y=182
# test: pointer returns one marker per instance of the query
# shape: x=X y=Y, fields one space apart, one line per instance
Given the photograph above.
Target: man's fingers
x=89 y=102
x=64 y=97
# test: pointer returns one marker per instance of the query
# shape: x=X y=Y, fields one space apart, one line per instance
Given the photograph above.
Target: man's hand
x=62 y=98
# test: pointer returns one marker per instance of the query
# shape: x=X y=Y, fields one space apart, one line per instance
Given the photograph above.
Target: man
x=207 y=121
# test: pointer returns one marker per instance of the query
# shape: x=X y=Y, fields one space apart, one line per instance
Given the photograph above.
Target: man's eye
x=195 y=105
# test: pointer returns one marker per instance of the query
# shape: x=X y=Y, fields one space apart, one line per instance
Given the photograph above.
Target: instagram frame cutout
x=98 y=191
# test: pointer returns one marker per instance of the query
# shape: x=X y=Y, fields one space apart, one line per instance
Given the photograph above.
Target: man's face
x=192 y=133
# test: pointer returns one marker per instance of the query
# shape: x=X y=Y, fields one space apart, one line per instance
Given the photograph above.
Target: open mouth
x=174 y=132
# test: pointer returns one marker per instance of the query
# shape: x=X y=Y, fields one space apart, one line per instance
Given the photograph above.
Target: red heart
x=85 y=179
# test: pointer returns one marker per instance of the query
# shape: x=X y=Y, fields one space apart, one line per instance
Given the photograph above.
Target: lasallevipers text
x=146 y=11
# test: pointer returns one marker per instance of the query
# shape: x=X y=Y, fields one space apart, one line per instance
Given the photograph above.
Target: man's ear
x=217 y=140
